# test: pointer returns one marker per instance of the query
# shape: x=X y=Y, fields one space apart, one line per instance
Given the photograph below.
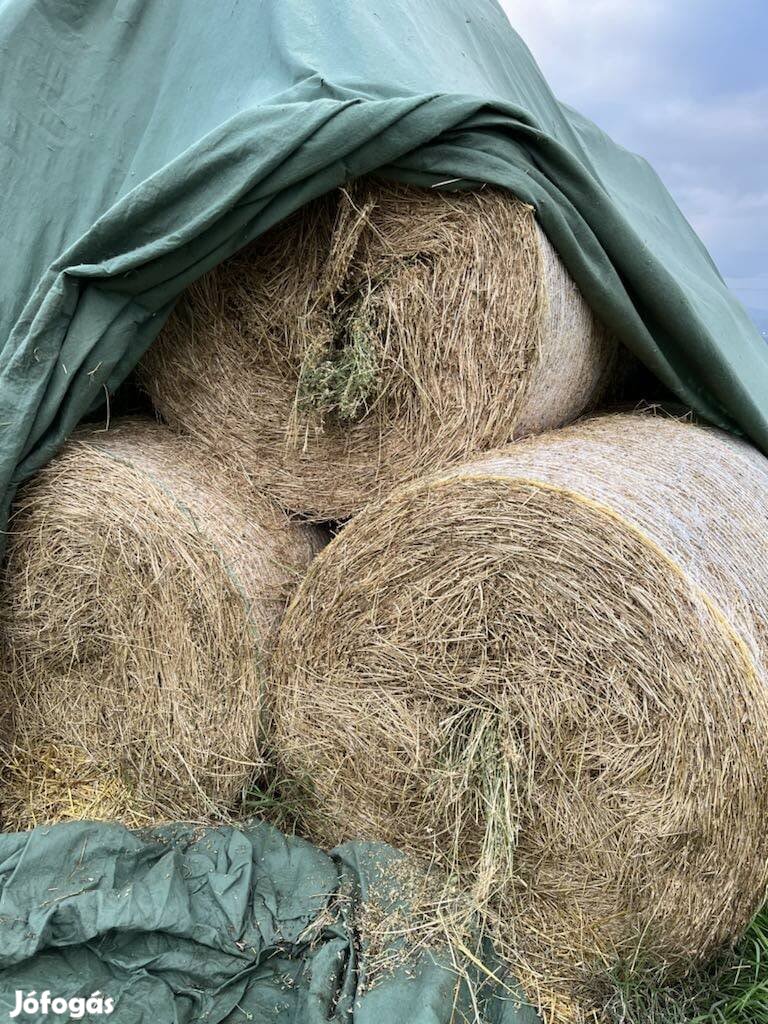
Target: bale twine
x=547 y=670
x=380 y=332
x=141 y=596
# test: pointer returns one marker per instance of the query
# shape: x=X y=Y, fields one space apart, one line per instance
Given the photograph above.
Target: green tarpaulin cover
x=203 y=926
x=143 y=141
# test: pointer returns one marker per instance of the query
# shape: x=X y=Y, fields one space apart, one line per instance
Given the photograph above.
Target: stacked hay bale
x=379 y=333
x=540 y=666
x=546 y=669
x=142 y=591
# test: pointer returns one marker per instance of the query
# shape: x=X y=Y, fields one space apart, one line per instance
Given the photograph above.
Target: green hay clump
x=341 y=382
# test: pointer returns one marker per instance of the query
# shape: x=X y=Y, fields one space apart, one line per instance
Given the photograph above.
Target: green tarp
x=143 y=141
x=205 y=926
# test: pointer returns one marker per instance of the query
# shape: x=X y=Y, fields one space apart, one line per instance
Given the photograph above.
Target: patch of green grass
x=278 y=801
x=342 y=382
x=733 y=989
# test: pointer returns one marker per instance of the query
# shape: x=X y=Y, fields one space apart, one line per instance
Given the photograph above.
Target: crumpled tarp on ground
x=187 y=925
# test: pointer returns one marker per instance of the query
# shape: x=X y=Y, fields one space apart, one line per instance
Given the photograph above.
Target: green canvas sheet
x=141 y=142
x=204 y=926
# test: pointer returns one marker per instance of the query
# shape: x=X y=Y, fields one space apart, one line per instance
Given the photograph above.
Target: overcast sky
x=684 y=83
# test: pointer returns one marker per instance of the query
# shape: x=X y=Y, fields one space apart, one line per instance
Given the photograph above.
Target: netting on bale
x=546 y=670
x=380 y=332
x=140 y=599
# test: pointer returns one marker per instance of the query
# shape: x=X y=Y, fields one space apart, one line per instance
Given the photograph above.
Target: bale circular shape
x=140 y=600
x=547 y=669
x=380 y=332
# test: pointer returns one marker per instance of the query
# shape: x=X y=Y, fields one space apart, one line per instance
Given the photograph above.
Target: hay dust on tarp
x=257 y=925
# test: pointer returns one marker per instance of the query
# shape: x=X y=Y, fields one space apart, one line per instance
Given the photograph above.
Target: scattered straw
x=142 y=591
x=408 y=911
x=380 y=332
x=546 y=670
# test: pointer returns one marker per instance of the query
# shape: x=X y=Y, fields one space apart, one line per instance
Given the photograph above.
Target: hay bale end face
x=141 y=595
x=547 y=669
x=379 y=333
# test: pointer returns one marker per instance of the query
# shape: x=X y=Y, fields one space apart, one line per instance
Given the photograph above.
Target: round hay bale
x=141 y=596
x=379 y=333
x=547 y=669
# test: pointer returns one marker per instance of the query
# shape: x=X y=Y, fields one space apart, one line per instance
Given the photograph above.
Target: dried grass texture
x=141 y=596
x=547 y=670
x=379 y=333
x=47 y=785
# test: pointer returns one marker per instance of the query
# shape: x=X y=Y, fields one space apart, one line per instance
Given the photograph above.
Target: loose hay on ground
x=547 y=669
x=141 y=595
x=380 y=332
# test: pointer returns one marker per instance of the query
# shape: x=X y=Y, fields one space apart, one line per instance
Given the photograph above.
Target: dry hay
x=140 y=601
x=380 y=332
x=46 y=785
x=546 y=669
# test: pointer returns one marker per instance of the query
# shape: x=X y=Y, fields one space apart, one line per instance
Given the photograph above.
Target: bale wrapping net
x=380 y=332
x=546 y=669
x=139 y=604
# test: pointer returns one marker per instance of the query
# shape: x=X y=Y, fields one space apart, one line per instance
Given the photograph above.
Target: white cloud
x=752 y=285
x=732 y=118
x=552 y=18
x=586 y=46
x=632 y=67
x=712 y=153
x=728 y=219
